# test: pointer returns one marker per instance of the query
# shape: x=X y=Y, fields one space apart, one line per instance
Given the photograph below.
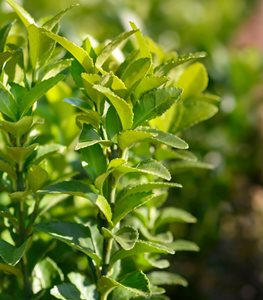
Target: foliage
x=131 y=100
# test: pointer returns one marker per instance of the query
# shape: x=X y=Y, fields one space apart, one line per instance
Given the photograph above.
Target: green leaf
x=11 y=254
x=141 y=247
x=6 y=167
x=150 y=166
x=125 y=205
x=171 y=214
x=11 y=270
x=166 y=138
x=4 y=31
x=126 y=236
x=8 y=105
x=135 y=283
x=45 y=274
x=128 y=138
x=182 y=245
x=96 y=160
x=66 y=291
x=155 y=168
x=53 y=21
x=37 y=177
x=14 y=67
x=113 y=165
x=161 y=238
x=142 y=45
x=102 y=204
x=36 y=92
x=19 y=128
x=4 y=56
x=77 y=188
x=165 y=153
x=148 y=83
x=180 y=59
x=146 y=187
x=89 y=117
x=20 y=154
x=123 y=109
x=110 y=47
x=154 y=104
x=72 y=187
x=194 y=80
x=22 y=13
x=40 y=46
x=44 y=151
x=79 y=53
x=89 y=137
x=135 y=72
x=55 y=68
x=81 y=104
x=89 y=80
x=113 y=123
x=166 y=278
x=75 y=235
x=86 y=288
x=186 y=165
x=190 y=112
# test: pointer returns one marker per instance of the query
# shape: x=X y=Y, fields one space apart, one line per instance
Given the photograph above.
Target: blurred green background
x=227 y=201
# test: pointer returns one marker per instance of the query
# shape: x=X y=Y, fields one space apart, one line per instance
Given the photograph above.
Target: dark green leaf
x=4 y=31
x=128 y=204
x=135 y=283
x=113 y=123
x=146 y=187
x=81 y=104
x=8 y=105
x=76 y=235
x=95 y=159
x=88 y=137
x=11 y=254
x=154 y=104
x=141 y=247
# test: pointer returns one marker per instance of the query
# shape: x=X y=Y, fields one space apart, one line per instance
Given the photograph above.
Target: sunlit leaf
x=75 y=235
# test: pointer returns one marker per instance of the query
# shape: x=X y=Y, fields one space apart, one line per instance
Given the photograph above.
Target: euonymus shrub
x=130 y=99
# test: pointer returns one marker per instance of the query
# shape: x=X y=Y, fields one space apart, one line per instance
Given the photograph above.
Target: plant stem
x=22 y=234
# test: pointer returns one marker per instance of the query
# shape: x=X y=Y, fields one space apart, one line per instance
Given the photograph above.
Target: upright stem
x=22 y=234
x=108 y=241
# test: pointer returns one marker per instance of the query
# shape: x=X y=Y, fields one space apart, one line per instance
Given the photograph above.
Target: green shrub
x=107 y=200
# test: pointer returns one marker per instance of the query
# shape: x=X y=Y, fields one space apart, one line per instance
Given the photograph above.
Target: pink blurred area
x=251 y=32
